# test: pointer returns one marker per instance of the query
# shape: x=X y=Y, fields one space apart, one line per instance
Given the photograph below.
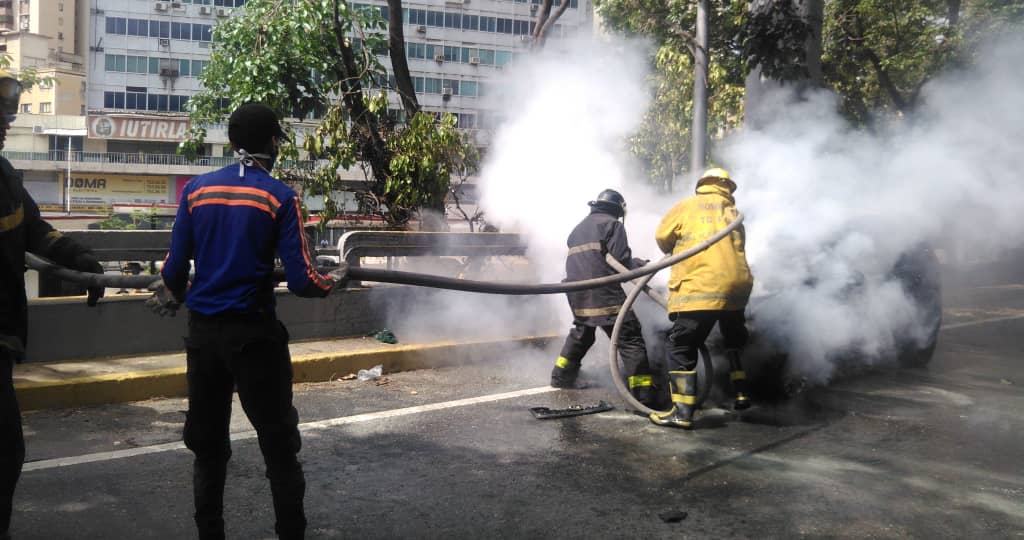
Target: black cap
x=252 y=125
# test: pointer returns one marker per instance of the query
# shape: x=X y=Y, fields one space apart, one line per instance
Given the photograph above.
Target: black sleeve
x=618 y=245
x=43 y=240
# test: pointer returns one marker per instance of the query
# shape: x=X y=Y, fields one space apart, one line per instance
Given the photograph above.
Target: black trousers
x=632 y=349
x=250 y=353
x=691 y=328
x=12 y=440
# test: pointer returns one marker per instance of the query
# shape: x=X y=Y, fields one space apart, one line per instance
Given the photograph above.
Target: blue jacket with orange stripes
x=232 y=225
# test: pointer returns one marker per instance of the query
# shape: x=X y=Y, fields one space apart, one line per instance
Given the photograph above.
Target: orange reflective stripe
x=310 y=267
x=236 y=189
x=234 y=202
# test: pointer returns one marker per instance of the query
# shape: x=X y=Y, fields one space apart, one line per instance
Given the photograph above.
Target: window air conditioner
x=160 y=6
x=168 y=72
x=177 y=5
x=439 y=58
x=223 y=12
x=533 y=8
x=474 y=60
x=24 y=25
x=421 y=29
x=164 y=42
x=446 y=92
x=205 y=10
x=37 y=129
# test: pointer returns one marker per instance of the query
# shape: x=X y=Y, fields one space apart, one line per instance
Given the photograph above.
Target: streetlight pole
x=699 y=130
x=67 y=181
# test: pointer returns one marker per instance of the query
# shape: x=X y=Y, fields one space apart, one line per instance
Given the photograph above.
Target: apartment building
x=138 y=63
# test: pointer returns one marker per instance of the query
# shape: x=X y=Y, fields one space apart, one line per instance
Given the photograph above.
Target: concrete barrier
x=66 y=329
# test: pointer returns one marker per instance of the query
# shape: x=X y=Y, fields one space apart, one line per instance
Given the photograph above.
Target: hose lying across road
x=440 y=282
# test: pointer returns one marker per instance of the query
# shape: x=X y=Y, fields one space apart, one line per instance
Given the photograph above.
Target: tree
x=880 y=54
x=320 y=57
x=546 y=19
x=662 y=143
x=27 y=76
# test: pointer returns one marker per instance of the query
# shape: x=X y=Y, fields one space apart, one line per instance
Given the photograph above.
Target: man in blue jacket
x=232 y=222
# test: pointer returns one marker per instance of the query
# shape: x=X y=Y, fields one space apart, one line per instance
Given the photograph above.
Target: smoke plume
x=830 y=210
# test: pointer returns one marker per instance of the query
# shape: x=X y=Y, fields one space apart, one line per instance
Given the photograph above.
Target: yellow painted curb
x=317 y=367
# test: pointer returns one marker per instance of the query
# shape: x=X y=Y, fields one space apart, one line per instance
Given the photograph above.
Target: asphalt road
x=454 y=453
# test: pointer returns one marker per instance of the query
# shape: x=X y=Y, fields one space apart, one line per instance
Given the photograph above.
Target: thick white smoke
x=829 y=209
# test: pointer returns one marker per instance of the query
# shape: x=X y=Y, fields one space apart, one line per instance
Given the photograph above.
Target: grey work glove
x=86 y=262
x=162 y=302
x=339 y=275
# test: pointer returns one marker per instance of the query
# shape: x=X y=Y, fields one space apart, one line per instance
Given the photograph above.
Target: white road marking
x=982 y=321
x=308 y=426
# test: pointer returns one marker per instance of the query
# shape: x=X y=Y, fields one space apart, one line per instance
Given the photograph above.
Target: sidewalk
x=117 y=380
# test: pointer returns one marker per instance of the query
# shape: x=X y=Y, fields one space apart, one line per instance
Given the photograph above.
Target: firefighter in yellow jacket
x=708 y=288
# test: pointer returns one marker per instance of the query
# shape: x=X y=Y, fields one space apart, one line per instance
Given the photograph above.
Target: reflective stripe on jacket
x=717 y=278
x=598 y=234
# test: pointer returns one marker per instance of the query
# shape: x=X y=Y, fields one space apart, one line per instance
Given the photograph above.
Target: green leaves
x=315 y=58
x=878 y=54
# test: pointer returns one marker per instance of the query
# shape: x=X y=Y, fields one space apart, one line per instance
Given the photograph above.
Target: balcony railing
x=62 y=156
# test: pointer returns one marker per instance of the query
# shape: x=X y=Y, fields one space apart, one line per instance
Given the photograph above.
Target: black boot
x=564 y=374
x=683 y=385
x=739 y=380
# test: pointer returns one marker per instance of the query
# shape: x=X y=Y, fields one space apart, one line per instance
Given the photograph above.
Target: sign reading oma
x=137 y=128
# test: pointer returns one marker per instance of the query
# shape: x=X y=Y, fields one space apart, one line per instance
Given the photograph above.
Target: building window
x=26 y=108
x=46 y=107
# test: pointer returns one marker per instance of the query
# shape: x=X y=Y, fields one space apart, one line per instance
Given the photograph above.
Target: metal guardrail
x=125 y=245
x=357 y=244
x=62 y=156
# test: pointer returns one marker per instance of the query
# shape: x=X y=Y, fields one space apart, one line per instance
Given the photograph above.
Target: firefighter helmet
x=10 y=94
x=610 y=201
x=719 y=174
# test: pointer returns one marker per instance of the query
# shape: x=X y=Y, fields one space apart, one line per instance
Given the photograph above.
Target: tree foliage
x=878 y=54
x=662 y=144
x=319 y=58
x=27 y=76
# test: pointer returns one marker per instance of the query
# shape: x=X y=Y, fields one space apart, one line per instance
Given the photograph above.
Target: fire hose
x=40 y=264
x=703 y=383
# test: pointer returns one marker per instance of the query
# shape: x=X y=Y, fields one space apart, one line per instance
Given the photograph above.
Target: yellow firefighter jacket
x=717 y=278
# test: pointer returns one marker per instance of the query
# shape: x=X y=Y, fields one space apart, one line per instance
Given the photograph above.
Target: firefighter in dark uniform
x=232 y=222
x=21 y=229
x=600 y=234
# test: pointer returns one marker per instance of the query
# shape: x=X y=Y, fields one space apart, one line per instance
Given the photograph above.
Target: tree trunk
x=757 y=86
x=399 y=62
x=374 y=148
x=546 y=20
